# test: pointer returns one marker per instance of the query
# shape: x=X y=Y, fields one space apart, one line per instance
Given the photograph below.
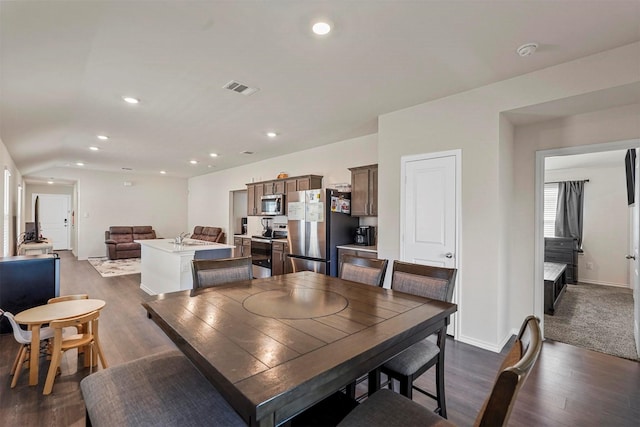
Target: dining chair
x=24 y=339
x=89 y=339
x=73 y=297
x=214 y=272
x=393 y=410
x=67 y=298
x=370 y=271
x=431 y=282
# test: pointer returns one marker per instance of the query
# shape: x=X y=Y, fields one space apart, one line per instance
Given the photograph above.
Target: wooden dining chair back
x=513 y=372
x=67 y=298
x=24 y=339
x=89 y=339
x=73 y=297
x=431 y=282
x=215 y=272
x=370 y=271
x=393 y=410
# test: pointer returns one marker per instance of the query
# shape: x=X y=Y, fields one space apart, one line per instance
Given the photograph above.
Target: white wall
x=471 y=121
x=103 y=201
x=209 y=194
x=6 y=162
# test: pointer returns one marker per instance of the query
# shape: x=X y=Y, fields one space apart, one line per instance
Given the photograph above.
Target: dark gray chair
x=162 y=389
x=430 y=282
x=215 y=272
x=370 y=271
x=389 y=409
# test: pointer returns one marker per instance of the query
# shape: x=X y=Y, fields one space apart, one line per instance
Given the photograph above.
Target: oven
x=261 y=257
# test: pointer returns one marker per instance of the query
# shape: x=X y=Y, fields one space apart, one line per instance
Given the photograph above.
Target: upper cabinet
x=364 y=190
x=256 y=190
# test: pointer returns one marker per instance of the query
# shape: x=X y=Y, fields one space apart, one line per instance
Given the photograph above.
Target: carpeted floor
x=116 y=267
x=596 y=317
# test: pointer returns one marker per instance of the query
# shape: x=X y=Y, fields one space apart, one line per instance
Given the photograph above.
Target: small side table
x=33 y=248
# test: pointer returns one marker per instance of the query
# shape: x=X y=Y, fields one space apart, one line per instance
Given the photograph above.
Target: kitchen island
x=166 y=266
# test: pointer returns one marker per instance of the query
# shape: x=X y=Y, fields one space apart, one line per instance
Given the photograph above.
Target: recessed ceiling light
x=213 y=154
x=193 y=162
x=527 y=49
x=130 y=100
x=79 y=164
x=103 y=137
x=321 y=28
x=93 y=148
x=163 y=172
x=272 y=134
x=49 y=182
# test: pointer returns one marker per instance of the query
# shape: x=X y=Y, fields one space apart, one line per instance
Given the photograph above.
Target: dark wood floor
x=569 y=386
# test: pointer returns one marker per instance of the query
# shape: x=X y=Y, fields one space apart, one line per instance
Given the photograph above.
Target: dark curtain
x=569 y=210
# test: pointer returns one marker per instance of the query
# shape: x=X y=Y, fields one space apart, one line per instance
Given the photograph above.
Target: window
x=6 y=212
x=550 y=206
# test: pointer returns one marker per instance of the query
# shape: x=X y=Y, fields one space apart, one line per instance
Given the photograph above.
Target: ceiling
x=602 y=159
x=65 y=65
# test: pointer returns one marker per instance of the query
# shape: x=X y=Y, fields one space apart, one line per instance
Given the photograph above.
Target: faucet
x=181 y=237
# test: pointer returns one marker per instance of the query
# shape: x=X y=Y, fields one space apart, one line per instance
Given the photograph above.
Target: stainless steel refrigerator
x=318 y=221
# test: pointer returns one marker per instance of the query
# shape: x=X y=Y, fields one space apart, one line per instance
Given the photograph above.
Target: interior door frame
x=455 y=323
x=541 y=155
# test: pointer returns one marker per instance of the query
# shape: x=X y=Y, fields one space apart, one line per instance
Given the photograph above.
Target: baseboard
x=598 y=282
x=147 y=290
x=496 y=348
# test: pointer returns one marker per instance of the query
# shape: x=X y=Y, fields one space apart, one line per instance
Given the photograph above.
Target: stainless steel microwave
x=273 y=204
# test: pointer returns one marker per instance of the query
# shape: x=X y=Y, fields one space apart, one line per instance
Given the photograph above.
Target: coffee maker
x=365 y=235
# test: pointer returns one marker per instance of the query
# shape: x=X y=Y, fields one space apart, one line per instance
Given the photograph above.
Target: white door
x=634 y=254
x=54 y=211
x=430 y=211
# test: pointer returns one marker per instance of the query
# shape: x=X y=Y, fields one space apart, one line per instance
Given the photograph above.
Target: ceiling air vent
x=246 y=152
x=240 y=88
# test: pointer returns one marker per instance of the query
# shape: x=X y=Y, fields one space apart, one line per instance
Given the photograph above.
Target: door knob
x=448 y=255
x=630 y=257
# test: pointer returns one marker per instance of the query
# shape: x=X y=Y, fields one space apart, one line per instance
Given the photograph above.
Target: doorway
x=543 y=157
x=54 y=214
x=430 y=213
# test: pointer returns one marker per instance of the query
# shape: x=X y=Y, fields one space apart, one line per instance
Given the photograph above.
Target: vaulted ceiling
x=65 y=66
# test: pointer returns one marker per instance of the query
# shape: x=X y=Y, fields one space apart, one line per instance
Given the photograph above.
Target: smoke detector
x=527 y=49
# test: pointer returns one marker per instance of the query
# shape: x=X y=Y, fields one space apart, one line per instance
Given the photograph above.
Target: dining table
x=276 y=346
x=35 y=317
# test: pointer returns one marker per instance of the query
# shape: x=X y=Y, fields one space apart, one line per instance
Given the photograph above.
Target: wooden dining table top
x=275 y=346
x=58 y=310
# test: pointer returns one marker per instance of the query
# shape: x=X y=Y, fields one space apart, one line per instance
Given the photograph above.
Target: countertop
x=359 y=248
x=189 y=245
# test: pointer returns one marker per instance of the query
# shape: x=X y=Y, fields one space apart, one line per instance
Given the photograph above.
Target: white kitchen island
x=166 y=266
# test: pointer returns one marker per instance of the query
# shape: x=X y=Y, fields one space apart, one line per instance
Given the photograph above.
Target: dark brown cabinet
x=242 y=247
x=563 y=250
x=256 y=190
x=278 y=258
x=364 y=190
x=361 y=254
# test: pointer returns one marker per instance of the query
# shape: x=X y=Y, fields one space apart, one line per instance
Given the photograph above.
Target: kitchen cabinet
x=278 y=257
x=242 y=247
x=256 y=190
x=364 y=190
x=274 y=187
x=356 y=252
x=254 y=196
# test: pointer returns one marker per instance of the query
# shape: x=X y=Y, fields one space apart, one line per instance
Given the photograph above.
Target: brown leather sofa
x=120 y=240
x=209 y=234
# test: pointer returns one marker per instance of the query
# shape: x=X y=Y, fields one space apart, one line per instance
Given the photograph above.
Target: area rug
x=115 y=267
x=596 y=317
